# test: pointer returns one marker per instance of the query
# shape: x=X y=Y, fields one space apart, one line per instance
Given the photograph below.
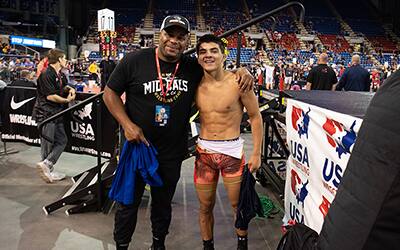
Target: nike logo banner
x=80 y=126
x=16 y=105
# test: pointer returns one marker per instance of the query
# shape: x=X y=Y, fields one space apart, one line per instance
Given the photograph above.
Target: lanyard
x=164 y=92
x=61 y=83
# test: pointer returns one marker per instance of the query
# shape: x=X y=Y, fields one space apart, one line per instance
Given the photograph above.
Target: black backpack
x=298 y=237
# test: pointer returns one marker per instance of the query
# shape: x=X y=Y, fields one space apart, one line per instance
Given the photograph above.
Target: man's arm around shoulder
x=250 y=102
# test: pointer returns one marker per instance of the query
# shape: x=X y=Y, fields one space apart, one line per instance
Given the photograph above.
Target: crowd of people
x=290 y=68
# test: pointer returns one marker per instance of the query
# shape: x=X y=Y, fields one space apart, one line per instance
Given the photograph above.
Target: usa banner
x=320 y=143
x=17 y=124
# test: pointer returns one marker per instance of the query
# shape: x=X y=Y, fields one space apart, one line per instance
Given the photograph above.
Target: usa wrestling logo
x=339 y=137
x=301 y=121
x=299 y=188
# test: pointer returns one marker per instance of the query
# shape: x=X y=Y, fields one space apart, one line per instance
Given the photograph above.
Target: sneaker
x=44 y=171
x=55 y=176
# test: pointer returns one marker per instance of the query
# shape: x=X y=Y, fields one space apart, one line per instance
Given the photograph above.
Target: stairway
x=392 y=35
x=201 y=24
x=148 y=22
x=301 y=27
x=317 y=42
x=303 y=32
x=136 y=38
x=193 y=40
x=267 y=43
x=156 y=37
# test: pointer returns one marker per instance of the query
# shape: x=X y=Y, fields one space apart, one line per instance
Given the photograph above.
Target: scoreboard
x=108 y=43
x=107 y=33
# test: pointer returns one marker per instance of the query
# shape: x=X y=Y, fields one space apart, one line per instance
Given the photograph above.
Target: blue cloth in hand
x=135 y=158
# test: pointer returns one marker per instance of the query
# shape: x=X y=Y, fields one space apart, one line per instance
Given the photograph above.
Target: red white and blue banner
x=320 y=143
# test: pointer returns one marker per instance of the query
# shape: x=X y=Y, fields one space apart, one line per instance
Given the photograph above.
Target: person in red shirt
x=42 y=66
x=376 y=81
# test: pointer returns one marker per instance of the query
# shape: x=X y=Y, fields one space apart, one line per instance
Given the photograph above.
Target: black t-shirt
x=322 y=77
x=107 y=67
x=289 y=72
x=49 y=83
x=136 y=75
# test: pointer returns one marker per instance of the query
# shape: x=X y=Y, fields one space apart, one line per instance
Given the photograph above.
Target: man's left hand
x=245 y=79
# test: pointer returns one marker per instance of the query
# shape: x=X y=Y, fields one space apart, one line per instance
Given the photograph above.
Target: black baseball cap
x=175 y=20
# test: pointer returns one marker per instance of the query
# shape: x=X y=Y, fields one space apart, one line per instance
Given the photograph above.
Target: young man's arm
x=250 y=102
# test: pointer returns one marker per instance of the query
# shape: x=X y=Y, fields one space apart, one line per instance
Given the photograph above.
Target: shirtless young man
x=219 y=148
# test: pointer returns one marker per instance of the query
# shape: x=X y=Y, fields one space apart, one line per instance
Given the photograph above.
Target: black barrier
x=80 y=125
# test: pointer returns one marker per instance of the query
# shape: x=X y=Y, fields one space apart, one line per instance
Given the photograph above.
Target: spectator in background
x=52 y=94
x=375 y=79
x=25 y=80
x=288 y=76
x=93 y=69
x=42 y=66
x=355 y=78
x=3 y=84
x=269 y=75
x=106 y=68
x=321 y=77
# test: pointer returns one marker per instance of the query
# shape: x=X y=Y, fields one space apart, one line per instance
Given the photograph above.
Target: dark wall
x=78 y=16
x=389 y=11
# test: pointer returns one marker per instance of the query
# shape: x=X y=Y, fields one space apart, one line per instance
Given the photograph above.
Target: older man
x=355 y=78
x=321 y=77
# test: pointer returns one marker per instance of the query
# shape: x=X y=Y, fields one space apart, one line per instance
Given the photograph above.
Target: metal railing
x=96 y=98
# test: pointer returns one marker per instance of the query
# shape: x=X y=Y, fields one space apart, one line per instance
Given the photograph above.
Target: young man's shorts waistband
x=231 y=147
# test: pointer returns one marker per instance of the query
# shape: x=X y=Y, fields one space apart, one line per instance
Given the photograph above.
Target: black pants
x=161 y=197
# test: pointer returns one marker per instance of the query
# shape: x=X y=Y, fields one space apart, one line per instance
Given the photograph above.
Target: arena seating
x=334 y=43
x=125 y=33
x=389 y=58
x=383 y=43
x=131 y=17
x=302 y=56
x=246 y=55
x=224 y=20
x=322 y=25
x=366 y=27
x=284 y=23
x=287 y=41
x=160 y=14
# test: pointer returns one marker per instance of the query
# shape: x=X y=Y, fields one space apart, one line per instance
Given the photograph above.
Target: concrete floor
x=24 y=225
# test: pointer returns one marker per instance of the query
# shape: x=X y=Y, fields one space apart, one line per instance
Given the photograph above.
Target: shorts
x=268 y=79
x=208 y=164
x=288 y=80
